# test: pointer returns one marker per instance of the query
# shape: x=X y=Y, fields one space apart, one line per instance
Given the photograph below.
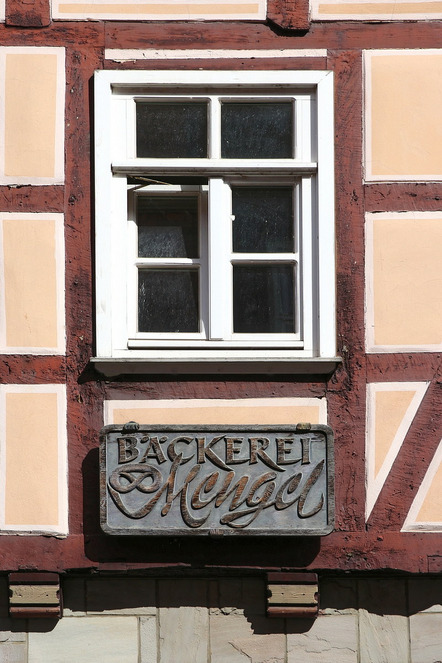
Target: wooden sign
x=175 y=480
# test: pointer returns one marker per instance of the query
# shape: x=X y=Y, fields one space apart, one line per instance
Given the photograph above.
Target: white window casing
x=121 y=178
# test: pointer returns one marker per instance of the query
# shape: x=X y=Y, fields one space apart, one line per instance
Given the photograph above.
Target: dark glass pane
x=167 y=227
x=257 y=131
x=263 y=299
x=263 y=220
x=168 y=300
x=172 y=130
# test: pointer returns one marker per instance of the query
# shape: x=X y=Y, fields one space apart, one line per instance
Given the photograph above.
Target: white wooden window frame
x=311 y=174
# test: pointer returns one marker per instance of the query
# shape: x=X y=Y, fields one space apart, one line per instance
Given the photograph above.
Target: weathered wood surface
x=23 y=198
x=403 y=197
x=39 y=594
x=28 y=13
x=343 y=36
x=289 y=14
x=346 y=389
x=351 y=547
x=292 y=594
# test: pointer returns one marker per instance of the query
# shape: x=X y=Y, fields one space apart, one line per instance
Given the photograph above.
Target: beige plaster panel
x=388 y=10
x=407 y=281
x=219 y=412
x=391 y=407
x=431 y=509
x=30 y=114
x=405 y=106
x=30 y=282
x=189 y=9
x=31 y=459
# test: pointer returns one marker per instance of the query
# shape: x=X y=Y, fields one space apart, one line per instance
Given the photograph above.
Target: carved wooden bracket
x=35 y=595
x=28 y=13
x=292 y=595
x=289 y=14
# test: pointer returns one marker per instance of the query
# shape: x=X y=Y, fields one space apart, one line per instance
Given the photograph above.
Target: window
x=214 y=220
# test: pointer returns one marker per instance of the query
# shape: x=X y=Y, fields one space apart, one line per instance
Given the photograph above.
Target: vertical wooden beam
x=289 y=14
x=28 y=13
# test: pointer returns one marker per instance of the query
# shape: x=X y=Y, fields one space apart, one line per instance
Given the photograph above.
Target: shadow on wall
x=191 y=552
x=240 y=597
x=246 y=595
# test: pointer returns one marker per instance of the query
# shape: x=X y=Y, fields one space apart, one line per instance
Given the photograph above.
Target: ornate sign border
x=121 y=473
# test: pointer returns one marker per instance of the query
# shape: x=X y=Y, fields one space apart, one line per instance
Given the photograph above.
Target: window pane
x=172 y=130
x=167 y=227
x=263 y=299
x=168 y=300
x=257 y=130
x=263 y=220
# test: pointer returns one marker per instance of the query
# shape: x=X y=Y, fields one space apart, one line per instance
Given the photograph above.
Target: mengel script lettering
x=218 y=480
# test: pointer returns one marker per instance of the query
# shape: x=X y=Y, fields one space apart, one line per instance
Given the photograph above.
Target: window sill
x=240 y=363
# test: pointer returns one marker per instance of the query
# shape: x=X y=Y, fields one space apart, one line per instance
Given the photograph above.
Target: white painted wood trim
x=213 y=79
x=287 y=84
x=134 y=54
x=103 y=109
x=220 y=271
x=306 y=300
x=326 y=218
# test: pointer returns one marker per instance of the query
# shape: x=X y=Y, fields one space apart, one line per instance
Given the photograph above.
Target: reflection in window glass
x=168 y=300
x=263 y=299
x=167 y=227
x=263 y=219
x=257 y=130
x=172 y=130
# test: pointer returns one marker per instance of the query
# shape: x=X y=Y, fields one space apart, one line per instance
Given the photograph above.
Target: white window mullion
x=214 y=128
x=204 y=264
x=220 y=270
x=118 y=285
x=303 y=129
x=131 y=132
x=132 y=269
x=307 y=307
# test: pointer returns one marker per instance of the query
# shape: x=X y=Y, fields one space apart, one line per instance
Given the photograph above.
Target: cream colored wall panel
x=403 y=132
x=172 y=9
x=32 y=85
x=426 y=511
x=32 y=319
x=391 y=408
x=265 y=411
x=33 y=458
x=403 y=282
x=365 y=10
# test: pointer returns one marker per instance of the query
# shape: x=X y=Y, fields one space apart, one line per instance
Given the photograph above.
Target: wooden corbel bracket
x=35 y=595
x=293 y=595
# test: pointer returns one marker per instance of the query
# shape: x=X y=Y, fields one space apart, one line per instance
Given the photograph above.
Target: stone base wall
x=222 y=620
